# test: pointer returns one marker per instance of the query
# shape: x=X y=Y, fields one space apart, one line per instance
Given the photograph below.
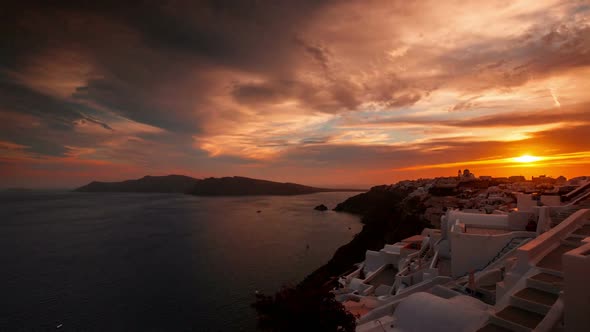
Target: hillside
x=225 y=186
x=147 y=184
x=388 y=215
x=241 y=186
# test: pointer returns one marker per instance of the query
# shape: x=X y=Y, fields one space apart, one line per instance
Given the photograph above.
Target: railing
x=574 y=192
x=346 y=278
x=532 y=252
x=395 y=286
x=404 y=265
x=434 y=261
x=420 y=253
x=580 y=198
x=536 y=249
x=503 y=253
x=499 y=255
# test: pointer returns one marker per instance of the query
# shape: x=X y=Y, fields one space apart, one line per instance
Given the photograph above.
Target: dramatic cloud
x=319 y=92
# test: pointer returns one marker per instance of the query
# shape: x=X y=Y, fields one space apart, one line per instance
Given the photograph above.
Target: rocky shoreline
x=388 y=215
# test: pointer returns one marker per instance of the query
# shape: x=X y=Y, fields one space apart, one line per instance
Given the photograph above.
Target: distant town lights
x=526 y=159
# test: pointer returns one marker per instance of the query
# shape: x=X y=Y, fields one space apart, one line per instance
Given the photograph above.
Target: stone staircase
x=576 y=237
x=582 y=232
x=488 y=292
x=559 y=215
x=527 y=307
x=416 y=261
x=562 y=214
x=514 y=243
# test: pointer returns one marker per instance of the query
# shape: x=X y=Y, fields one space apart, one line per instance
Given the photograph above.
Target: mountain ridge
x=224 y=186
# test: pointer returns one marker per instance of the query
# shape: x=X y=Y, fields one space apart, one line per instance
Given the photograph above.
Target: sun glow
x=526 y=159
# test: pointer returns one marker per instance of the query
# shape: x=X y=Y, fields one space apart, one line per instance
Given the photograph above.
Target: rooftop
x=469 y=229
x=385 y=277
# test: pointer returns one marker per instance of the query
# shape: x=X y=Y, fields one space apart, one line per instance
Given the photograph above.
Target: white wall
x=390 y=258
x=473 y=251
x=576 y=269
x=530 y=253
x=518 y=220
x=444 y=225
x=444 y=249
x=551 y=200
x=393 y=248
x=373 y=260
x=525 y=203
x=479 y=219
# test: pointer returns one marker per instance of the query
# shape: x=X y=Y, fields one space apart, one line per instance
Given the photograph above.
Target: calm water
x=156 y=262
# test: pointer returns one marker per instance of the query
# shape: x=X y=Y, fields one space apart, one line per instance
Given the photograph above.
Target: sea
x=156 y=262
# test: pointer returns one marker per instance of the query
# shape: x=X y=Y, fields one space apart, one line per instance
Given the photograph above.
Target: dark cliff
x=388 y=215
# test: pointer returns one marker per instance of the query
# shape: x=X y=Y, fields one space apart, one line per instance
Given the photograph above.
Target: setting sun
x=526 y=159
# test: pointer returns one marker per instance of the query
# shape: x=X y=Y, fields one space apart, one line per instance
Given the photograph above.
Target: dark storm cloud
x=58 y=114
x=319 y=53
x=334 y=97
x=251 y=33
x=136 y=48
x=252 y=93
x=130 y=102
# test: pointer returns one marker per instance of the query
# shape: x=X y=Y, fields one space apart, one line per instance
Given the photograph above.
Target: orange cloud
x=377 y=90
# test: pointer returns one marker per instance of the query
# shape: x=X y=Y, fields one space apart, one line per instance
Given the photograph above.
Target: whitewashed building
x=526 y=270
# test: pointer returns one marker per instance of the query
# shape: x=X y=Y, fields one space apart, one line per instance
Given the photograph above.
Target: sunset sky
x=335 y=93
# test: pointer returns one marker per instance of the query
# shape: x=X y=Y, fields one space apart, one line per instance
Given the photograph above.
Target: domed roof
x=428 y=312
